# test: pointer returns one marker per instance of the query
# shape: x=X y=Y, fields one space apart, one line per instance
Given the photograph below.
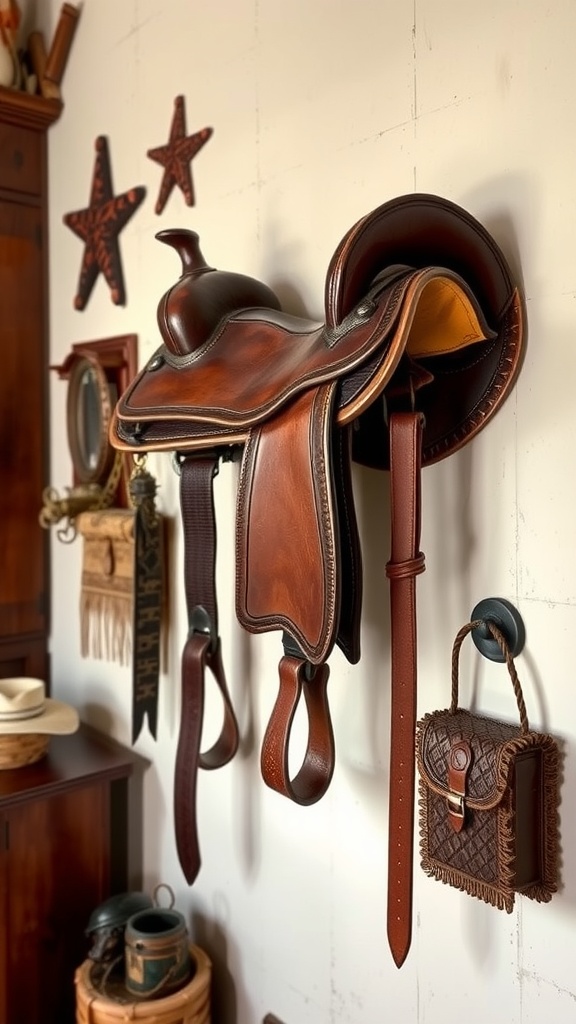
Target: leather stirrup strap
x=315 y=774
x=196 y=657
x=406 y=562
x=201 y=651
x=197 y=474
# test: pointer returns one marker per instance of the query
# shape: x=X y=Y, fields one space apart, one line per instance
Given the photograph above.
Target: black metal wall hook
x=509 y=621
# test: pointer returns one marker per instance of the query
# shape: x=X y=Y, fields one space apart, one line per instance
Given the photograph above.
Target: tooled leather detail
x=487 y=738
x=474 y=850
x=257 y=545
x=321 y=458
x=507 y=847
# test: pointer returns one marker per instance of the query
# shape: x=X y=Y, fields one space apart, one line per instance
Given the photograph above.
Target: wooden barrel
x=190 y=1005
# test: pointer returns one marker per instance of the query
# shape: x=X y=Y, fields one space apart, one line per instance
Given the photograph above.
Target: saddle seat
x=257 y=360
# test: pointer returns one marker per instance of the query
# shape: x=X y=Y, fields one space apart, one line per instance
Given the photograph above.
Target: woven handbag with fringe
x=488 y=798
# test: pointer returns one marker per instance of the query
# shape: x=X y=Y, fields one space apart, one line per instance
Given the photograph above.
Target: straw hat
x=24 y=708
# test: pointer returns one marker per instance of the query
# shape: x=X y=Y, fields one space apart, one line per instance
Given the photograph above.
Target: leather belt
x=406 y=562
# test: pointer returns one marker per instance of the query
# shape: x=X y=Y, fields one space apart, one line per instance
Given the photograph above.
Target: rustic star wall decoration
x=99 y=226
x=176 y=155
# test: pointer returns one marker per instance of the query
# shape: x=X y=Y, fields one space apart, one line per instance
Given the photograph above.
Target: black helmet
x=108 y=920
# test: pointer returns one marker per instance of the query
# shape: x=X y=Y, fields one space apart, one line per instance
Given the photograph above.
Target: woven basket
x=190 y=1005
x=20 y=749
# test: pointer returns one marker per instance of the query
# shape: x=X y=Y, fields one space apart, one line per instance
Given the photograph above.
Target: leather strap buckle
x=201 y=622
x=209 y=453
x=456 y=803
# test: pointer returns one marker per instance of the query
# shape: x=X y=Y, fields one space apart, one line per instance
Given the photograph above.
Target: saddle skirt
x=421 y=343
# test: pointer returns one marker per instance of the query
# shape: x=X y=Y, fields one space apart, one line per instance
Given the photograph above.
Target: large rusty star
x=176 y=155
x=99 y=226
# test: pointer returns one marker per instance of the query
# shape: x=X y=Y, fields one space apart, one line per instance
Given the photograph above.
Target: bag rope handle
x=501 y=641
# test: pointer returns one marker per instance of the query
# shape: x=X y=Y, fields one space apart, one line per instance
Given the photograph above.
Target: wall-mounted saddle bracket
x=509 y=621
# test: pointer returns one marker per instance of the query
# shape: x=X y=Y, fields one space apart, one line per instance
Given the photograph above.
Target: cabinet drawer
x=21 y=158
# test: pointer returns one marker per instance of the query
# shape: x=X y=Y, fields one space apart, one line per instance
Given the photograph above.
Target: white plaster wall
x=321 y=111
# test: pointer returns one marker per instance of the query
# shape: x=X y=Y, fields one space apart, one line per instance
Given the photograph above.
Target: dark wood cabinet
x=65 y=821
x=66 y=826
x=24 y=578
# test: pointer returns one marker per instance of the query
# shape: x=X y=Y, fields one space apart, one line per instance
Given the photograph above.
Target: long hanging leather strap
x=406 y=562
x=201 y=651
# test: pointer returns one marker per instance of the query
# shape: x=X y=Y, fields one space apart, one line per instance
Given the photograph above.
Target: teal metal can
x=157 y=955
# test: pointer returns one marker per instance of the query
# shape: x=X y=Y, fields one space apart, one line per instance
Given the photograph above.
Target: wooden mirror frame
x=115 y=363
x=102 y=455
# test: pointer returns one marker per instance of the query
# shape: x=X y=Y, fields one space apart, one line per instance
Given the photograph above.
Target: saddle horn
x=190 y=311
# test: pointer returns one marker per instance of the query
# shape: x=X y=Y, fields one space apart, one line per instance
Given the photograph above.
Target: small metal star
x=176 y=155
x=99 y=226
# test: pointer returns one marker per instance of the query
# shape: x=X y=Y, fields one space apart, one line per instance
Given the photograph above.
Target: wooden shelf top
x=19 y=108
x=71 y=761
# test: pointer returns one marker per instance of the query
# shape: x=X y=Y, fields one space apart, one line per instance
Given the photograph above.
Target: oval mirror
x=89 y=409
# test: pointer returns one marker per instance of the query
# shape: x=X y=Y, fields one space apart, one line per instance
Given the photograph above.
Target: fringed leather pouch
x=488 y=798
x=107 y=595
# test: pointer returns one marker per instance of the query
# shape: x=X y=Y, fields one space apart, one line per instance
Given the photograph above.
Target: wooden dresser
x=67 y=826
x=24 y=577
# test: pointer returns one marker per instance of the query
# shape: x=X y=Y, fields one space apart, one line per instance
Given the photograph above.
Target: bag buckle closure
x=459 y=762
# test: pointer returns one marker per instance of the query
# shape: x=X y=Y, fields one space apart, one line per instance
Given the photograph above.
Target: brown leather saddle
x=421 y=343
